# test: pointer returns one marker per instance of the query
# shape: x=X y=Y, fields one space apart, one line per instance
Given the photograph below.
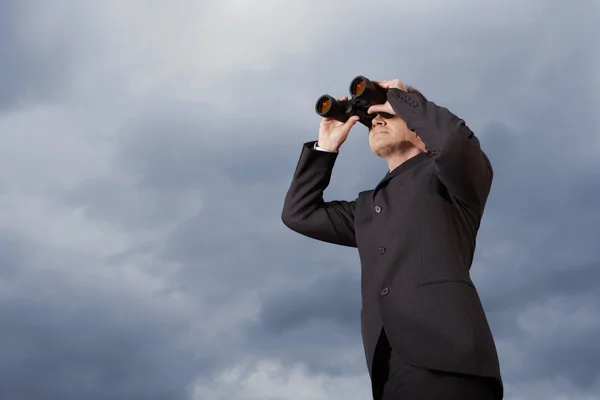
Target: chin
x=380 y=151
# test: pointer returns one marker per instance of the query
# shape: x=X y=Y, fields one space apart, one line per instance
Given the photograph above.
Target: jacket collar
x=405 y=166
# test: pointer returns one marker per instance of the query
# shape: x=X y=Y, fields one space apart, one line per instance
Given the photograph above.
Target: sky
x=146 y=148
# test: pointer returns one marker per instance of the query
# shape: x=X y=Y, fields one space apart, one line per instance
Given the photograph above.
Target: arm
x=304 y=209
x=461 y=164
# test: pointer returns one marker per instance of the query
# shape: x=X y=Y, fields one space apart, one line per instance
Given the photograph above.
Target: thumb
x=351 y=121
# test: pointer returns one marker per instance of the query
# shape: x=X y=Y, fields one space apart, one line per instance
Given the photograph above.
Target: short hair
x=411 y=89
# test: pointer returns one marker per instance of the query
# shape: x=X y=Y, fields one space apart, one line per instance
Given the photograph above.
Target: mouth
x=378 y=131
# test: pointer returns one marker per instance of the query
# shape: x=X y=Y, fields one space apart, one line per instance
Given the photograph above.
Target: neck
x=396 y=159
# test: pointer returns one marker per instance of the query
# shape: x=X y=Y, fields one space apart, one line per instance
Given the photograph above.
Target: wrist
x=326 y=146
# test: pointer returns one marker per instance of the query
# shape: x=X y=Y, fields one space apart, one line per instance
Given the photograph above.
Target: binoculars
x=364 y=93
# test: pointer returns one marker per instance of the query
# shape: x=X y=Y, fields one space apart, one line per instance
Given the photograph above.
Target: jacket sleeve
x=306 y=212
x=461 y=165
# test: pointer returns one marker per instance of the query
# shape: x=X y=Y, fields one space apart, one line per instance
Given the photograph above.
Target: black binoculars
x=364 y=93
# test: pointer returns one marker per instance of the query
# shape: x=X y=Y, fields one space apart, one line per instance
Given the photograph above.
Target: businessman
x=424 y=329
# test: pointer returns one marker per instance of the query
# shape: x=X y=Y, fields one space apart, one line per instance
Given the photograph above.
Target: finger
x=383 y=84
x=397 y=83
x=376 y=108
x=329 y=122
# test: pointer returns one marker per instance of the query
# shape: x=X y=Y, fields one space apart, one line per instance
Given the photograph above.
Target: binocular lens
x=358 y=87
x=324 y=105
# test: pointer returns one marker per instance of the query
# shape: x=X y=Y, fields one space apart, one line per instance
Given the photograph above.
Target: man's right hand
x=332 y=133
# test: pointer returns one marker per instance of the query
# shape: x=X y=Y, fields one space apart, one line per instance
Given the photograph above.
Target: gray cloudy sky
x=146 y=148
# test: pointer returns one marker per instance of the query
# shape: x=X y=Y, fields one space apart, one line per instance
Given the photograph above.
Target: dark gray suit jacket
x=416 y=234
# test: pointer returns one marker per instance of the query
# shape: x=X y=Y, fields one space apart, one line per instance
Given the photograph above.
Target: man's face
x=388 y=134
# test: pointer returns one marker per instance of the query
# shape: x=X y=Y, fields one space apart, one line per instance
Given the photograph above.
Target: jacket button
x=385 y=291
x=381 y=250
x=377 y=209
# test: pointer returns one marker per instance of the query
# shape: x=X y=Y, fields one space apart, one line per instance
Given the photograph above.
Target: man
x=424 y=329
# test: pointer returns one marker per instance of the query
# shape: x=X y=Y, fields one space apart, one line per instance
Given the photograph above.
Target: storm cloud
x=146 y=149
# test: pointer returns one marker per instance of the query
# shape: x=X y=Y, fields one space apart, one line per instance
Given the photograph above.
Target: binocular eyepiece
x=364 y=93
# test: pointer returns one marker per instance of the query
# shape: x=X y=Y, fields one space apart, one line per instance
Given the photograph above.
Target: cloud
x=272 y=380
x=32 y=71
x=73 y=330
x=146 y=149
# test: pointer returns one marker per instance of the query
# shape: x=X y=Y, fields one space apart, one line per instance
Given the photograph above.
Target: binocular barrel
x=329 y=107
x=364 y=94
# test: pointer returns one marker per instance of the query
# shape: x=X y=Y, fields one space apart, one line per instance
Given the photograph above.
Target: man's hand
x=387 y=107
x=332 y=133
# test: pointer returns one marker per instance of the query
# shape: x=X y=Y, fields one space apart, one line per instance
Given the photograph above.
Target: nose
x=377 y=121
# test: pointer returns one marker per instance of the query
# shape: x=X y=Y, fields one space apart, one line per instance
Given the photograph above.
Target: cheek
x=399 y=125
x=401 y=130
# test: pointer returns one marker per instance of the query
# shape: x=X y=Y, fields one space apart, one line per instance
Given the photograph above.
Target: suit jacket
x=416 y=235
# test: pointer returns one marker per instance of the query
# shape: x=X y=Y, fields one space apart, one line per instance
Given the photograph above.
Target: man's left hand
x=387 y=107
